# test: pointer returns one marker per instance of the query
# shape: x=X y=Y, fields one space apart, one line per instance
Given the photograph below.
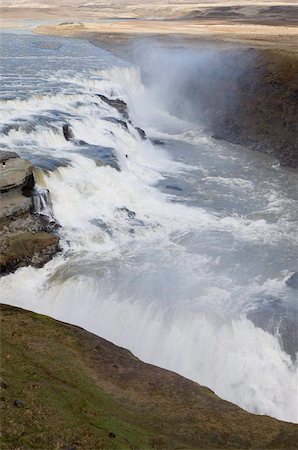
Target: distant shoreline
x=257 y=23
x=260 y=122
x=248 y=35
x=260 y=126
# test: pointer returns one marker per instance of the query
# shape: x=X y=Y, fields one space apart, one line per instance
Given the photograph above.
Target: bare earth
x=263 y=23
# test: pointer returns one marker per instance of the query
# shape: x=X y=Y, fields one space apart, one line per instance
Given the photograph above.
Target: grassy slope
x=77 y=389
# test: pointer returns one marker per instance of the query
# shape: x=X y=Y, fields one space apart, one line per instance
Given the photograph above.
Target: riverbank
x=62 y=387
x=215 y=31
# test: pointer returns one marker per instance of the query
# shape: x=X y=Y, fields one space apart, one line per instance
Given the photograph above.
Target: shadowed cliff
x=243 y=95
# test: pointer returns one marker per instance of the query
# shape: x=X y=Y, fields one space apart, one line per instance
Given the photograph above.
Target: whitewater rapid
x=167 y=256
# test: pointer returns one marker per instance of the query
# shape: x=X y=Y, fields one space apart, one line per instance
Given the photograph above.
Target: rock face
x=250 y=97
x=80 y=391
x=25 y=237
x=16 y=184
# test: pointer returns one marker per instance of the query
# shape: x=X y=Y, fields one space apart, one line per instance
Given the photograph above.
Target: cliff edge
x=65 y=388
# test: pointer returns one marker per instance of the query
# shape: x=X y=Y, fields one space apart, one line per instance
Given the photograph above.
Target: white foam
x=141 y=276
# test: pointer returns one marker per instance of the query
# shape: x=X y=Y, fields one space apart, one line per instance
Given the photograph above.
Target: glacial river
x=175 y=255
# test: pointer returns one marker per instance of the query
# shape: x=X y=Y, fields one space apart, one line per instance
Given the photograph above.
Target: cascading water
x=168 y=257
x=42 y=206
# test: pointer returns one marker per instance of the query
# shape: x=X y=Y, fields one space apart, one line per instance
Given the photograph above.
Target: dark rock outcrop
x=118 y=104
x=157 y=142
x=120 y=122
x=67 y=132
x=141 y=132
x=25 y=233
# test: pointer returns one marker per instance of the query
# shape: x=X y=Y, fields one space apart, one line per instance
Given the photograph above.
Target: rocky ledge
x=26 y=232
x=65 y=388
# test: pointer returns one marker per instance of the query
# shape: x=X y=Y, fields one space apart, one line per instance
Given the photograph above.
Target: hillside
x=65 y=388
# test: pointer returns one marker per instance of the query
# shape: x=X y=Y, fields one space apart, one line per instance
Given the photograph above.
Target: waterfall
x=42 y=206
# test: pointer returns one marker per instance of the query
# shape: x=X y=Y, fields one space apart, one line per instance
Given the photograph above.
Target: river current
x=173 y=255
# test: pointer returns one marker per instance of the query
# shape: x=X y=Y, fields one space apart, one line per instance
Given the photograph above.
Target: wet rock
x=48 y=163
x=131 y=214
x=120 y=122
x=157 y=142
x=118 y=104
x=101 y=224
x=24 y=238
x=67 y=132
x=132 y=218
x=103 y=156
x=22 y=125
x=174 y=187
x=293 y=281
x=19 y=403
x=141 y=132
x=81 y=142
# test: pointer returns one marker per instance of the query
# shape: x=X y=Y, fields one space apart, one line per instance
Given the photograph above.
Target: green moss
x=80 y=391
x=62 y=405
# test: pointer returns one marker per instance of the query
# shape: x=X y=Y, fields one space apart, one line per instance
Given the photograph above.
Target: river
x=173 y=255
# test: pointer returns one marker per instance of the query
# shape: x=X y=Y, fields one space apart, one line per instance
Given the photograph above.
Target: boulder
x=67 y=132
